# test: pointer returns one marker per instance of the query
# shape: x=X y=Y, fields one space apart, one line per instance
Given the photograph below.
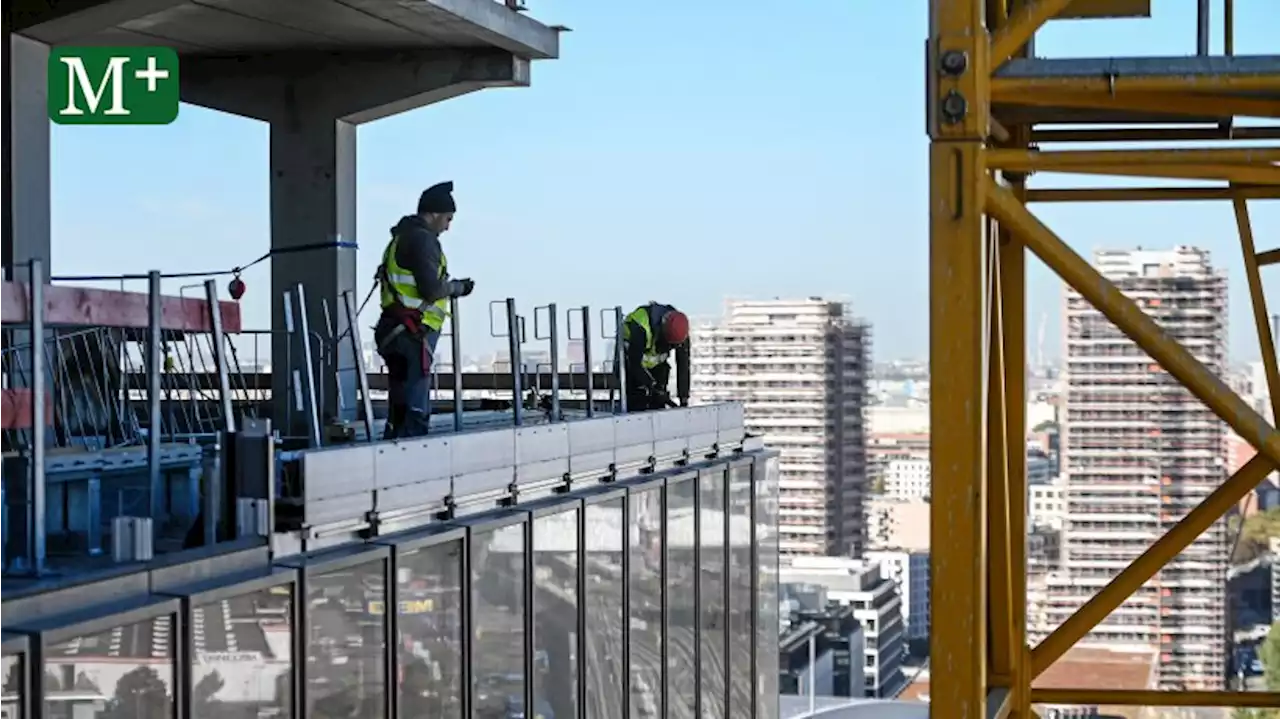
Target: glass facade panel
x=11 y=698
x=605 y=618
x=242 y=664
x=125 y=672
x=741 y=609
x=645 y=521
x=548 y=621
x=711 y=591
x=766 y=506
x=498 y=606
x=346 y=649
x=682 y=606
x=429 y=625
x=555 y=614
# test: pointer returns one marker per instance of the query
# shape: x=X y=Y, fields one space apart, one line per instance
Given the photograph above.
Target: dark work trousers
x=638 y=401
x=408 y=361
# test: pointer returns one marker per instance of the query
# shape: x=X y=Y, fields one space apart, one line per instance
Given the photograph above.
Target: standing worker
x=648 y=336
x=414 y=277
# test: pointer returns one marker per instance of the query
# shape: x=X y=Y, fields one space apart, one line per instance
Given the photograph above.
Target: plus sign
x=151 y=74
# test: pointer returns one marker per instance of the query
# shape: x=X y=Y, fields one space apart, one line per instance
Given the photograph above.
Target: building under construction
x=1139 y=452
x=188 y=536
x=800 y=370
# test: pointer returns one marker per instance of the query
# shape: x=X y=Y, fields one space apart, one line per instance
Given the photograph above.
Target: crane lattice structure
x=991 y=103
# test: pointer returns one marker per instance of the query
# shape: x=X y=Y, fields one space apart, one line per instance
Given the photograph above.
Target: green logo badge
x=113 y=85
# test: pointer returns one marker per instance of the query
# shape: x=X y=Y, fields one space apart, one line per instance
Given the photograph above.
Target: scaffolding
x=990 y=105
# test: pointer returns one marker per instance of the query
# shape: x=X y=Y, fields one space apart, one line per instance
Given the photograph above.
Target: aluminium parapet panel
x=345 y=485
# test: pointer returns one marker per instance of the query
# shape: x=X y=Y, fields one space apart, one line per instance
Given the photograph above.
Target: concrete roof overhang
x=327 y=51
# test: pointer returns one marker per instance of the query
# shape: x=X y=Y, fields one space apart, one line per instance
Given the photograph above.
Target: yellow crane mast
x=990 y=106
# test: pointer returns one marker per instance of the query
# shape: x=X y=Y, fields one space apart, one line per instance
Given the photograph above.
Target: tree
x=1269 y=653
x=139 y=694
x=1256 y=533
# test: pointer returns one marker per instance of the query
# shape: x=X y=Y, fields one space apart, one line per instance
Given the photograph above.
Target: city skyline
x=689 y=158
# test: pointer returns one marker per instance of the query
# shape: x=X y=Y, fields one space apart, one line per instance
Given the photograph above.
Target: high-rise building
x=800 y=368
x=1139 y=452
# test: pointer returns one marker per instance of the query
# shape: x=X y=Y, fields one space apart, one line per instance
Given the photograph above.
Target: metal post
x=220 y=354
x=1229 y=28
x=362 y=373
x=329 y=351
x=586 y=359
x=813 y=671
x=1202 y=28
x=553 y=337
x=308 y=370
x=517 y=368
x=250 y=480
x=36 y=496
x=154 y=338
x=293 y=381
x=455 y=348
x=619 y=359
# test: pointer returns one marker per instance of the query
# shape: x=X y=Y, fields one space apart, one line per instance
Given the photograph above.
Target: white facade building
x=910 y=572
x=907 y=478
x=1046 y=505
x=800 y=369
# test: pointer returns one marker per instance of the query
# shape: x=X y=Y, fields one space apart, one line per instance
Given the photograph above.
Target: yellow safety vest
x=652 y=357
x=399 y=287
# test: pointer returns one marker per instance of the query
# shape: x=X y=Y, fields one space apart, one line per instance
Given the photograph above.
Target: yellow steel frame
x=980 y=229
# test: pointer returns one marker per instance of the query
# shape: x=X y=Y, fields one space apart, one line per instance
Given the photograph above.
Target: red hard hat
x=675 y=327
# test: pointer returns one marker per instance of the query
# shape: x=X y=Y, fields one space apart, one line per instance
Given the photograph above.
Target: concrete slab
x=203 y=27
x=354 y=87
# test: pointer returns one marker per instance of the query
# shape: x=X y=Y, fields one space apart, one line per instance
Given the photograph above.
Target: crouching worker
x=648 y=337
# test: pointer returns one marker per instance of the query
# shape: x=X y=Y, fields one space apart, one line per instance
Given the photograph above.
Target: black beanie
x=437 y=198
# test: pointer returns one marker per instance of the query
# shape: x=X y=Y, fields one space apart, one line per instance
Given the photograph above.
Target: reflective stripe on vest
x=399 y=287
x=652 y=357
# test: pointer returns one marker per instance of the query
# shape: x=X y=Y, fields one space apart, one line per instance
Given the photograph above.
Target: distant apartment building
x=910 y=572
x=1046 y=505
x=876 y=605
x=906 y=479
x=1139 y=452
x=1274 y=546
x=897 y=524
x=800 y=368
x=905 y=471
x=820 y=653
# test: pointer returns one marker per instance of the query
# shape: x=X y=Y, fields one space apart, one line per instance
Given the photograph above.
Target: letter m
x=78 y=79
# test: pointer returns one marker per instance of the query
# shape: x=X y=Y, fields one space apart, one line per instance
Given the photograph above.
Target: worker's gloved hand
x=463 y=287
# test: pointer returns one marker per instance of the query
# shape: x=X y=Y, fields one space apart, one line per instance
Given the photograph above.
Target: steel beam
x=957 y=72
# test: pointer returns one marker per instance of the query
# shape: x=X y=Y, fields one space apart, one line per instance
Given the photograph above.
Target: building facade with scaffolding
x=800 y=368
x=1117 y=503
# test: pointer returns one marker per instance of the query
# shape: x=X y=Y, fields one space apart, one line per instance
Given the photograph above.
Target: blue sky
x=682 y=152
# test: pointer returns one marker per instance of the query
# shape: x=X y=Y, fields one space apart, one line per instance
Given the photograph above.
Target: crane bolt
x=954 y=62
x=954 y=108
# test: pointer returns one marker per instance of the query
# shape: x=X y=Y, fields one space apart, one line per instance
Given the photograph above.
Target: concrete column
x=313 y=202
x=26 y=155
